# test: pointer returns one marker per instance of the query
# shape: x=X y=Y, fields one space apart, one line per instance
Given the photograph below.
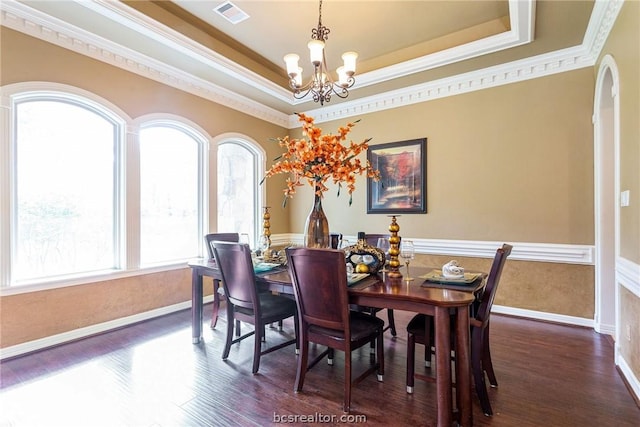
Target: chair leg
x=296 y=328
x=380 y=355
x=257 y=346
x=230 y=321
x=478 y=373
x=392 y=322
x=216 y=304
x=411 y=348
x=428 y=342
x=487 y=365
x=330 y=356
x=346 y=406
x=237 y=328
x=302 y=363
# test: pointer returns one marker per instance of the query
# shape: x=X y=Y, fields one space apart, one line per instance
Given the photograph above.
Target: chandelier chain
x=321 y=33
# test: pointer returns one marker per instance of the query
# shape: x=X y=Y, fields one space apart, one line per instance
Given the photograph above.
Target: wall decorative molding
x=522 y=251
x=628 y=275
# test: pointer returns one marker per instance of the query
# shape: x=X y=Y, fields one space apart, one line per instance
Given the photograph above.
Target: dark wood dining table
x=438 y=300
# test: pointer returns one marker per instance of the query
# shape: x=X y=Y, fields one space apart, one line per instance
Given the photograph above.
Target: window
x=240 y=168
x=170 y=193
x=92 y=193
x=66 y=188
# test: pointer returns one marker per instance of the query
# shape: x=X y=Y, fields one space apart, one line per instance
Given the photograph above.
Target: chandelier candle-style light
x=321 y=85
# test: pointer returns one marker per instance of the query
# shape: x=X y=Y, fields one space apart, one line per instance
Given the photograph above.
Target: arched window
x=92 y=193
x=240 y=168
x=171 y=192
x=66 y=191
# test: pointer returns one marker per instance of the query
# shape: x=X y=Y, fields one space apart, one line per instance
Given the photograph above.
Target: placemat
x=265 y=266
x=436 y=276
x=356 y=277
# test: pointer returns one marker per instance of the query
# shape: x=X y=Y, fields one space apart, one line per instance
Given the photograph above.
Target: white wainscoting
x=540 y=252
x=628 y=275
x=522 y=251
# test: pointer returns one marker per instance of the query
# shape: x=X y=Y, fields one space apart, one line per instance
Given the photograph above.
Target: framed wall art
x=402 y=187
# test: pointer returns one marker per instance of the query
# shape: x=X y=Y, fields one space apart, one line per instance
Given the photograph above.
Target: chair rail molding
x=628 y=275
x=522 y=251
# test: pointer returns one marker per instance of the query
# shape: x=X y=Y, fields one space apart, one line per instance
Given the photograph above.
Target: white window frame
x=259 y=166
x=127 y=217
x=194 y=131
x=25 y=92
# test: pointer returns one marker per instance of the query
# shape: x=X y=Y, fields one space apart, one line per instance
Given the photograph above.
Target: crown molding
x=517 y=71
x=20 y=17
x=602 y=19
x=522 y=18
x=27 y=20
x=178 y=42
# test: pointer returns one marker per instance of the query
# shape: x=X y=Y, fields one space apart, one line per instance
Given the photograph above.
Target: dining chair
x=372 y=239
x=245 y=303
x=209 y=239
x=319 y=278
x=334 y=239
x=421 y=331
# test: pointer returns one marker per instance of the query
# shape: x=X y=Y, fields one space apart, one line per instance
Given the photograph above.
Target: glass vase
x=316 y=229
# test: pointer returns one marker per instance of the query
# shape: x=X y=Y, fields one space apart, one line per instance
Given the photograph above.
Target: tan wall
x=540 y=286
x=510 y=164
x=513 y=163
x=623 y=45
x=35 y=315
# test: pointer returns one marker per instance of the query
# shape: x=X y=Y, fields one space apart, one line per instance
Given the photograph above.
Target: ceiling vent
x=231 y=12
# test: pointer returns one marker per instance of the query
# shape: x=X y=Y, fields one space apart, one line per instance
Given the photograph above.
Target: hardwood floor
x=150 y=374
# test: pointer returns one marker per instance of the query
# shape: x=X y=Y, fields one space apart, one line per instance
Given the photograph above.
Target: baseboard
x=541 y=315
x=76 y=334
x=632 y=381
x=605 y=329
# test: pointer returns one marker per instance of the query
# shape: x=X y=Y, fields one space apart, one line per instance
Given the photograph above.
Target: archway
x=606 y=163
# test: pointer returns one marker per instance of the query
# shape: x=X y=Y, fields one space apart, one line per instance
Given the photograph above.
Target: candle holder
x=265 y=238
x=394 y=248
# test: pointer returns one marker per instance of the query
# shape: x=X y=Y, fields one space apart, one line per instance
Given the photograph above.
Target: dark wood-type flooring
x=150 y=374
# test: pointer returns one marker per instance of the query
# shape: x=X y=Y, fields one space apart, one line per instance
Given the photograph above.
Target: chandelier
x=321 y=86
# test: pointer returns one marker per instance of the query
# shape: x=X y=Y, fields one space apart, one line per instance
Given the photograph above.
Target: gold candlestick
x=266 y=225
x=394 y=249
x=265 y=238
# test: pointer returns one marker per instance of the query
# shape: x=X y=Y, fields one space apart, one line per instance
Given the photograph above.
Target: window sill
x=94 y=277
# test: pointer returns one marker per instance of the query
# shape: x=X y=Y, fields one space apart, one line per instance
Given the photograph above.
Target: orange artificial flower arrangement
x=320 y=158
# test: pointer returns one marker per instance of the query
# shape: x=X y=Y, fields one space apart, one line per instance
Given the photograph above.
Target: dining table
x=449 y=304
